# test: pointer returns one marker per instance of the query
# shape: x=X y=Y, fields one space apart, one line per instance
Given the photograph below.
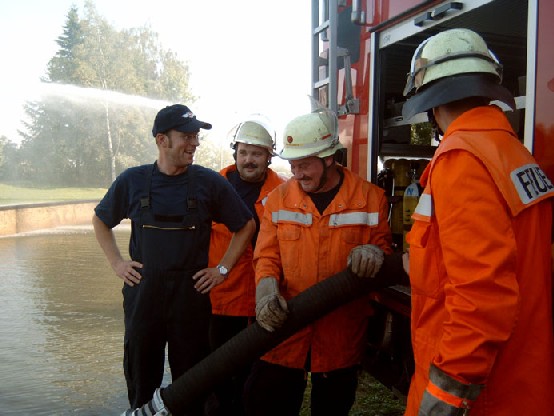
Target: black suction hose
x=254 y=341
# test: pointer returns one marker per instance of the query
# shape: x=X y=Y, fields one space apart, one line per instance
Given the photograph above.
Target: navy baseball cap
x=177 y=117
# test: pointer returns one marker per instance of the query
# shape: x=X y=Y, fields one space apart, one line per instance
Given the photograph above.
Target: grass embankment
x=372 y=399
x=13 y=195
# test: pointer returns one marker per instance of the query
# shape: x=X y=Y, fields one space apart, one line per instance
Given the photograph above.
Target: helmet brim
x=300 y=153
x=454 y=88
x=271 y=151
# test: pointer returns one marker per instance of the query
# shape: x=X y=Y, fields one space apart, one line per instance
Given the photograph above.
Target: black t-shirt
x=322 y=200
x=216 y=198
x=249 y=193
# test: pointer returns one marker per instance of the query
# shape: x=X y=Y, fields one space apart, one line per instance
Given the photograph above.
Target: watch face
x=222 y=270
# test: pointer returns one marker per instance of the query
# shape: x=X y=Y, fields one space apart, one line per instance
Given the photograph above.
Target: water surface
x=61 y=325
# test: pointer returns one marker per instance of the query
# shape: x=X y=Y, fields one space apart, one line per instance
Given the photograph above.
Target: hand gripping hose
x=254 y=341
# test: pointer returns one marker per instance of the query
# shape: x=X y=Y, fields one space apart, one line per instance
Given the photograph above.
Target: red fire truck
x=361 y=52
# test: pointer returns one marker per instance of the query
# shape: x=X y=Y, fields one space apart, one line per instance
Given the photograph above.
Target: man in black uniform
x=171 y=204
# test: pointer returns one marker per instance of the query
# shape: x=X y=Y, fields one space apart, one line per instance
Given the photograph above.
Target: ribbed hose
x=254 y=341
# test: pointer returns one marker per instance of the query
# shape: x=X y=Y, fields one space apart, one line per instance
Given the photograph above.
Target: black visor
x=454 y=88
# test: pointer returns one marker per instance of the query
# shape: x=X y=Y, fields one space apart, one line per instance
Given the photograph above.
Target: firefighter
x=313 y=226
x=479 y=259
x=233 y=300
x=171 y=204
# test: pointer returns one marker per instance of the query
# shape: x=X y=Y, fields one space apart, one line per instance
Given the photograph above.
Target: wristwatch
x=224 y=271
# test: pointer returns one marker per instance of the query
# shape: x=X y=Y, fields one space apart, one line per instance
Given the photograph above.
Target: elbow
x=251 y=227
x=248 y=230
x=94 y=220
x=98 y=224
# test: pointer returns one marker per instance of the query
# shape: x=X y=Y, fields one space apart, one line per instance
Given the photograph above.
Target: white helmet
x=255 y=133
x=452 y=65
x=312 y=134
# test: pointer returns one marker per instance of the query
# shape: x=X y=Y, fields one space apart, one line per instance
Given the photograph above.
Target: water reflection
x=61 y=325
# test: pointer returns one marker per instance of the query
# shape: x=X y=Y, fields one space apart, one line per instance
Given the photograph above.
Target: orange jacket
x=301 y=247
x=480 y=270
x=236 y=295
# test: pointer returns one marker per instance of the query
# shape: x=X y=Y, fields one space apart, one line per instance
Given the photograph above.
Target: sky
x=245 y=56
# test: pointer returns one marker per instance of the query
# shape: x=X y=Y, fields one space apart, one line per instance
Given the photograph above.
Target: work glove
x=271 y=307
x=154 y=407
x=365 y=260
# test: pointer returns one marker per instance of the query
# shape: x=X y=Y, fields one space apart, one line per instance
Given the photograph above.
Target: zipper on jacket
x=189 y=227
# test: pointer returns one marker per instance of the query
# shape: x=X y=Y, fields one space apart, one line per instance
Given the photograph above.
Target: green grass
x=12 y=195
x=372 y=399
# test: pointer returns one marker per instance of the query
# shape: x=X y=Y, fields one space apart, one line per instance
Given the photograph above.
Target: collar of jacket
x=472 y=120
x=272 y=180
x=351 y=195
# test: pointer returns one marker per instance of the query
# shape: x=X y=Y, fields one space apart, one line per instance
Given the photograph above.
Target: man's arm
x=207 y=279
x=124 y=269
x=480 y=257
x=481 y=291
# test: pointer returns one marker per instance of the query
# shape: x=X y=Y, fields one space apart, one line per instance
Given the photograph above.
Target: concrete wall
x=23 y=218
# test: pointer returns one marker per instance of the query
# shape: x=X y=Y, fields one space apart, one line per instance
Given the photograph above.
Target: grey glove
x=271 y=307
x=366 y=260
x=154 y=407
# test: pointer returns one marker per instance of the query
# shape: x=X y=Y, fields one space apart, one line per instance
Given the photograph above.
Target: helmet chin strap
x=436 y=129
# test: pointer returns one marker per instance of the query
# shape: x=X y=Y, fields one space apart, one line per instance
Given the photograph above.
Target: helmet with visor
x=450 y=66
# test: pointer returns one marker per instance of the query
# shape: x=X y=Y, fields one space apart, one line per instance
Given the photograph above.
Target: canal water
x=61 y=325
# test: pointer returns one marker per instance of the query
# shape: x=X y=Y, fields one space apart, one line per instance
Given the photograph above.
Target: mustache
x=250 y=165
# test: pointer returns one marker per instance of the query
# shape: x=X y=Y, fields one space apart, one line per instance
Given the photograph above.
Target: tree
x=87 y=135
x=63 y=66
x=212 y=154
x=8 y=159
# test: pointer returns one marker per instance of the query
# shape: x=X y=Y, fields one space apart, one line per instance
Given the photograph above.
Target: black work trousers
x=274 y=390
x=229 y=393
x=171 y=312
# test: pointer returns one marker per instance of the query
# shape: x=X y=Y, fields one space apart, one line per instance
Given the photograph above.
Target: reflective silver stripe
x=531 y=182
x=264 y=200
x=291 y=216
x=425 y=205
x=452 y=386
x=354 y=218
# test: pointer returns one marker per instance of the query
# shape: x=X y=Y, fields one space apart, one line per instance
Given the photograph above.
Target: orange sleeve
x=479 y=252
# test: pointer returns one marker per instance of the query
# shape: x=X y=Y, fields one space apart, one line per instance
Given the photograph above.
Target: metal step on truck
x=361 y=52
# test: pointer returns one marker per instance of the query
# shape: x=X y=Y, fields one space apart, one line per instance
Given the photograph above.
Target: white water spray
x=13 y=115
x=84 y=95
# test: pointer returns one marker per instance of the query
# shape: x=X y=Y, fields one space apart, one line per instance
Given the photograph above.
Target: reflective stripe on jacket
x=480 y=269
x=300 y=247
x=236 y=295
